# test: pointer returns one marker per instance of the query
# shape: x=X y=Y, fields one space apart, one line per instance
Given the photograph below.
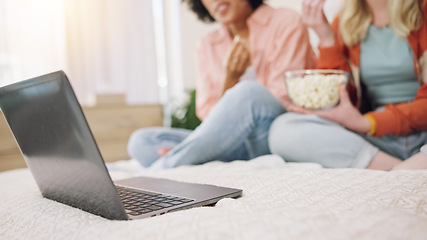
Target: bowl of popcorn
x=315 y=89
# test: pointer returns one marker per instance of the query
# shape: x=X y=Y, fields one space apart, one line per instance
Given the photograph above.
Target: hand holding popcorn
x=344 y=113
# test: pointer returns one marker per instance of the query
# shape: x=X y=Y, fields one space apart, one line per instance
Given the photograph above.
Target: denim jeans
x=144 y=143
x=236 y=129
x=309 y=138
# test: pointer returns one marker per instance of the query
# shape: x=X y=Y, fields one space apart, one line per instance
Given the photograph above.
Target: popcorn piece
x=315 y=91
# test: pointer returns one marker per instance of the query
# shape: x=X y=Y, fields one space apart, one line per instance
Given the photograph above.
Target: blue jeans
x=144 y=143
x=309 y=138
x=236 y=129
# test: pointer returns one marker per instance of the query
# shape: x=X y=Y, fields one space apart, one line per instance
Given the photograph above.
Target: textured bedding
x=280 y=201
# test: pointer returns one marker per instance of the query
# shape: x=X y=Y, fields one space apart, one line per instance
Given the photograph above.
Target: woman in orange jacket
x=382 y=115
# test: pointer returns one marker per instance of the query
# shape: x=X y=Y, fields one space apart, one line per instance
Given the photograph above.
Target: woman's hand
x=287 y=102
x=236 y=62
x=344 y=113
x=314 y=17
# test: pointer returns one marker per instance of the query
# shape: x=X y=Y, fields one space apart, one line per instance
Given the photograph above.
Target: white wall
x=192 y=29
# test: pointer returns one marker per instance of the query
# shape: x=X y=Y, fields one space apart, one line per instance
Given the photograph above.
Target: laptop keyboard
x=137 y=203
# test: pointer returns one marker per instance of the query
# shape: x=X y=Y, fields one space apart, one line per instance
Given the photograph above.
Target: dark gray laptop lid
x=58 y=146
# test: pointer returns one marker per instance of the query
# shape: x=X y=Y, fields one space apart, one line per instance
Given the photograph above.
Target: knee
x=288 y=133
x=253 y=96
x=248 y=90
x=142 y=136
x=144 y=143
x=284 y=126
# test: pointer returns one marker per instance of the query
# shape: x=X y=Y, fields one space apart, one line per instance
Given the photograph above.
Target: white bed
x=280 y=201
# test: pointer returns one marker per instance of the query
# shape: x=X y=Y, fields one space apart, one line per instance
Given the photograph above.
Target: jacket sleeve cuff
x=330 y=57
x=385 y=123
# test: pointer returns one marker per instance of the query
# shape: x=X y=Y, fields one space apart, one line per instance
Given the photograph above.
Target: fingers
x=230 y=53
x=241 y=58
x=238 y=58
x=229 y=57
x=344 y=98
x=295 y=108
x=313 y=12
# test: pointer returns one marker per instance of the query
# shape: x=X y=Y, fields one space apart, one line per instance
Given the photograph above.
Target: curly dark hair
x=202 y=13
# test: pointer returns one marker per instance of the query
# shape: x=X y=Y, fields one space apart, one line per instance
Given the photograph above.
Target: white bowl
x=315 y=89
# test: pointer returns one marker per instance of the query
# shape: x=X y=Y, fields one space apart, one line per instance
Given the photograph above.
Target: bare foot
x=383 y=161
x=163 y=151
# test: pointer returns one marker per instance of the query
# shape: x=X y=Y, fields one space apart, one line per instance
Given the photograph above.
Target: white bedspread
x=280 y=201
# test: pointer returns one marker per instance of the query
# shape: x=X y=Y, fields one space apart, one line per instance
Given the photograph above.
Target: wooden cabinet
x=10 y=156
x=111 y=125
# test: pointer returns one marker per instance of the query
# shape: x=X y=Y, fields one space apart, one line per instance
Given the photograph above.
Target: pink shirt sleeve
x=292 y=51
x=207 y=94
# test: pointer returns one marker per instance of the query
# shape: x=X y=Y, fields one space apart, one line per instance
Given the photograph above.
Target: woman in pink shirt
x=240 y=85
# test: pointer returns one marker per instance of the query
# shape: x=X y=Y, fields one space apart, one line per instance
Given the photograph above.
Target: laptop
x=54 y=137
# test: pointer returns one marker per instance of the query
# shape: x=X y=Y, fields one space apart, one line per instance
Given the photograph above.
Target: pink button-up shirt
x=279 y=42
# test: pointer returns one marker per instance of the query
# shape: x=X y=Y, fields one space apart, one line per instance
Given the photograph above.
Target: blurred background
x=130 y=62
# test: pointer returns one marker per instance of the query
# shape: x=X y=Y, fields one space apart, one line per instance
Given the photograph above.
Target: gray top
x=387 y=67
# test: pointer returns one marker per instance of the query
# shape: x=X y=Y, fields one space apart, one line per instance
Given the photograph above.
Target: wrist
x=372 y=124
x=326 y=36
x=229 y=82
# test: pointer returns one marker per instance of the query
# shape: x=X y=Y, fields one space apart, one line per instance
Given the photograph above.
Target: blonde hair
x=356 y=16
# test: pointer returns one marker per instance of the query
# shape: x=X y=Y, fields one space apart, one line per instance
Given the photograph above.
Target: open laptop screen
x=57 y=144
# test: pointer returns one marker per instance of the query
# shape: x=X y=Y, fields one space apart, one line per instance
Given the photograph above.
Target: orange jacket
x=398 y=119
